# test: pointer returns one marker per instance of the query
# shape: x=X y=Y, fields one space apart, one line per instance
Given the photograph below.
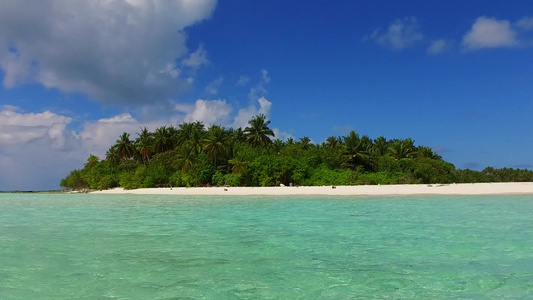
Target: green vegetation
x=192 y=155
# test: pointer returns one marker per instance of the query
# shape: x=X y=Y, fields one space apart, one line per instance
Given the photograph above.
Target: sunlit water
x=174 y=247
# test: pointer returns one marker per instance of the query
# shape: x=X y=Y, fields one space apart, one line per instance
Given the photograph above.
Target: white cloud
x=9 y=108
x=36 y=148
x=18 y=128
x=196 y=59
x=122 y=118
x=10 y=134
x=439 y=46
x=264 y=76
x=171 y=70
x=10 y=62
x=121 y=51
x=219 y=112
x=489 y=33
x=98 y=136
x=210 y=112
x=213 y=86
x=282 y=135
x=264 y=106
x=246 y=114
x=525 y=24
x=185 y=108
x=242 y=81
x=259 y=89
x=401 y=34
x=9 y=116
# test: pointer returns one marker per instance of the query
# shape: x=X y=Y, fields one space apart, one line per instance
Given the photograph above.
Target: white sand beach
x=525 y=188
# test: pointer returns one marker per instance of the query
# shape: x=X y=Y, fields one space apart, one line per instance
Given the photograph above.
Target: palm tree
x=239 y=167
x=333 y=142
x=92 y=160
x=184 y=132
x=191 y=133
x=366 y=143
x=187 y=159
x=305 y=143
x=188 y=131
x=235 y=138
x=277 y=145
x=380 y=147
x=427 y=152
x=174 y=136
x=125 y=146
x=258 y=132
x=196 y=140
x=400 y=149
x=237 y=135
x=113 y=156
x=355 y=151
x=163 y=139
x=290 y=141
x=215 y=143
x=144 y=144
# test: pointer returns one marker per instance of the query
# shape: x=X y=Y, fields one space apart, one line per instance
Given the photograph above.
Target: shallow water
x=61 y=246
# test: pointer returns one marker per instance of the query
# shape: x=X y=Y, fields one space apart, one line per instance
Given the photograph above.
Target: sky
x=452 y=75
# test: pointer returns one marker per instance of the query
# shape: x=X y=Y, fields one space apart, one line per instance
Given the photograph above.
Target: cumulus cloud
x=525 y=24
x=489 y=33
x=219 y=112
x=246 y=114
x=242 y=81
x=213 y=86
x=98 y=136
x=282 y=135
x=121 y=51
x=36 y=149
x=10 y=116
x=196 y=59
x=401 y=34
x=259 y=90
x=264 y=76
x=45 y=127
x=118 y=119
x=210 y=112
x=439 y=46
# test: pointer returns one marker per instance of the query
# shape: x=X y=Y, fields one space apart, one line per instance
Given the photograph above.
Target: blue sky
x=452 y=75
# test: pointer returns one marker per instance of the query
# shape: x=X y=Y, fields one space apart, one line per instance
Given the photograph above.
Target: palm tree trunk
x=227 y=180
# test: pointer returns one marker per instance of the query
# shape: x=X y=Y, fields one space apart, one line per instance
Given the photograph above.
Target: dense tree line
x=193 y=155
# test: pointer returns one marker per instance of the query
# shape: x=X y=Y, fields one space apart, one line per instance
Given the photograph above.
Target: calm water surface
x=167 y=247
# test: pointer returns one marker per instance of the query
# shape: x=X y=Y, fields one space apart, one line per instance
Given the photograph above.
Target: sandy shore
x=522 y=188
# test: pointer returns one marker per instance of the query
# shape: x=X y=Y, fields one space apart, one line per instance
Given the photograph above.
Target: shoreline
x=510 y=188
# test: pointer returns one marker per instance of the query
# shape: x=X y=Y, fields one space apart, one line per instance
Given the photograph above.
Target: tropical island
x=195 y=156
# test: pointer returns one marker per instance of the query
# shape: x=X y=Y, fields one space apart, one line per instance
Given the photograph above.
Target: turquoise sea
x=65 y=246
